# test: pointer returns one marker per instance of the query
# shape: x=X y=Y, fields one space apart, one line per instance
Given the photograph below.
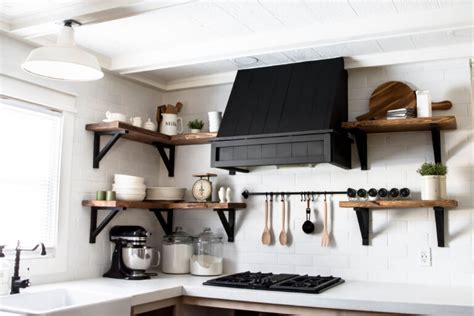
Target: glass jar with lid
x=176 y=253
x=207 y=256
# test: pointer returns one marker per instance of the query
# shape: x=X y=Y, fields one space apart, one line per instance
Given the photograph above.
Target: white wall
x=397 y=235
x=111 y=93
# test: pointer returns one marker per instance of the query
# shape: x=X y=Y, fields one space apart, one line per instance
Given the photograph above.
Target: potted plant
x=434 y=181
x=195 y=126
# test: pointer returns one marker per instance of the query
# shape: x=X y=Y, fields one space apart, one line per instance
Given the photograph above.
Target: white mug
x=136 y=121
x=115 y=116
x=169 y=124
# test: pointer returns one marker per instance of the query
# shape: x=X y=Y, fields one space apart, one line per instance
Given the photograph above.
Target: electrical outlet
x=424 y=257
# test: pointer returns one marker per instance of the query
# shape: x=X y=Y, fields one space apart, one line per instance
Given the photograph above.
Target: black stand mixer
x=131 y=258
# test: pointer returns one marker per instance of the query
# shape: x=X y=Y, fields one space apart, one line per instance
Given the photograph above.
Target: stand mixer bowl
x=140 y=258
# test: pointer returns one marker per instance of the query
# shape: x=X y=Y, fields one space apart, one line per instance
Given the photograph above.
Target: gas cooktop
x=277 y=282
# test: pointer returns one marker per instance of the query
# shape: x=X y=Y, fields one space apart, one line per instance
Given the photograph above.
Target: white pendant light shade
x=63 y=61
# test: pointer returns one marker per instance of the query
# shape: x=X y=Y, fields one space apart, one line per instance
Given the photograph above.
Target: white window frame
x=65 y=102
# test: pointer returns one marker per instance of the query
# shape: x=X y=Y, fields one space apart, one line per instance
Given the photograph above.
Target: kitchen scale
x=202 y=188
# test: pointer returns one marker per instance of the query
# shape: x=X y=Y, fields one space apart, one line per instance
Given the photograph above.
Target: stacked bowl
x=129 y=188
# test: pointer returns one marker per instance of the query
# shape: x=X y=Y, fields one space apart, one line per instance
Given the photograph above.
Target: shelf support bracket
x=361 y=143
x=436 y=139
x=100 y=153
x=439 y=218
x=167 y=224
x=363 y=219
x=234 y=170
x=229 y=224
x=94 y=229
x=168 y=160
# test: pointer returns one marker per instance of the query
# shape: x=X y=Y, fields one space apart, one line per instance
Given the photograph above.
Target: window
x=30 y=159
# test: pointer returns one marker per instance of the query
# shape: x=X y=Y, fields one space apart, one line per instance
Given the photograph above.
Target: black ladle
x=308 y=226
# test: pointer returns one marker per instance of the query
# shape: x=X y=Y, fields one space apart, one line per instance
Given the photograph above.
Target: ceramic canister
x=169 y=124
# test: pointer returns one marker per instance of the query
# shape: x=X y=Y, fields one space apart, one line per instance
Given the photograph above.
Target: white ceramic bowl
x=123 y=179
x=165 y=193
x=129 y=197
x=119 y=186
x=130 y=191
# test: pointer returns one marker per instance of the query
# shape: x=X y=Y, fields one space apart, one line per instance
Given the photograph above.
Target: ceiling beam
x=312 y=36
x=361 y=61
x=87 y=13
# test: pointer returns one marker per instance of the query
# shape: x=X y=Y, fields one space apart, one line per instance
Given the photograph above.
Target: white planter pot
x=443 y=194
x=195 y=131
x=433 y=188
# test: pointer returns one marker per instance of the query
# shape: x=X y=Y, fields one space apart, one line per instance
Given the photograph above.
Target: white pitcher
x=169 y=124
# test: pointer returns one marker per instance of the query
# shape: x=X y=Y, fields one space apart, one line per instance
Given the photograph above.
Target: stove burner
x=277 y=282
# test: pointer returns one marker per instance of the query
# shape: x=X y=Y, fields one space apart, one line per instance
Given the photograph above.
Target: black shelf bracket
x=439 y=218
x=363 y=217
x=168 y=160
x=99 y=153
x=361 y=143
x=233 y=170
x=94 y=229
x=229 y=224
x=167 y=224
x=436 y=139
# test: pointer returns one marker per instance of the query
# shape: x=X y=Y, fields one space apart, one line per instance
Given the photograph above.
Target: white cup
x=116 y=116
x=136 y=121
x=215 y=118
x=169 y=124
x=423 y=103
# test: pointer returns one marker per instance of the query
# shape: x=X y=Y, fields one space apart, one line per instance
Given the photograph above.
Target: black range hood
x=285 y=115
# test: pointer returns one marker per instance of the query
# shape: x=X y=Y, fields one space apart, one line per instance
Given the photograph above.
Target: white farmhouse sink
x=70 y=302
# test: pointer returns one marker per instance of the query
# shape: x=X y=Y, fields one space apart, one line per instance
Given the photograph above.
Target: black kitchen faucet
x=17 y=283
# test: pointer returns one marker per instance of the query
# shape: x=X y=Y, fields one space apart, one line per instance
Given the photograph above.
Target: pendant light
x=63 y=61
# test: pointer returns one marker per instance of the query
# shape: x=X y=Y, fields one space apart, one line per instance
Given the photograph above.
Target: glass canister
x=176 y=252
x=207 y=257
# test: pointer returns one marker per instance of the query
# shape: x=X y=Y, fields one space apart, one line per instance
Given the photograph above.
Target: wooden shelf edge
x=163 y=204
x=192 y=139
x=403 y=125
x=146 y=136
x=399 y=204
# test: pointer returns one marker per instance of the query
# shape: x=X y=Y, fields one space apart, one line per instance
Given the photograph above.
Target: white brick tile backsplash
x=397 y=235
x=332 y=261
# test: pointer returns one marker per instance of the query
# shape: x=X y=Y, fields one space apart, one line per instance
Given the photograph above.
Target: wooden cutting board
x=394 y=95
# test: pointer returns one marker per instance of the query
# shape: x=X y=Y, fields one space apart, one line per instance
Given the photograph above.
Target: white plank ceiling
x=165 y=42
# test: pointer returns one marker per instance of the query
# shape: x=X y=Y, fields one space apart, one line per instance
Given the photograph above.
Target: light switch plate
x=424 y=257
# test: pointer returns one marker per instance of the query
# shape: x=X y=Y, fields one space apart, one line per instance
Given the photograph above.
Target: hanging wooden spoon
x=283 y=236
x=266 y=236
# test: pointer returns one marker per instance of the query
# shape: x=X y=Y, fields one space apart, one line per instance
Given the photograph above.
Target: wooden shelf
x=158 y=208
x=399 y=204
x=403 y=125
x=119 y=130
x=362 y=209
x=142 y=135
x=360 y=129
x=163 y=205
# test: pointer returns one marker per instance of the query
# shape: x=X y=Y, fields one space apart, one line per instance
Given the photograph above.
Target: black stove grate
x=277 y=282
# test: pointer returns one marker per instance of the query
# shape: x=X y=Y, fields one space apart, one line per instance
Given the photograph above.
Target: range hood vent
x=285 y=115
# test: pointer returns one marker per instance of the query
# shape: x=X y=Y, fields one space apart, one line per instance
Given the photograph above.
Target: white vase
x=195 y=130
x=430 y=188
